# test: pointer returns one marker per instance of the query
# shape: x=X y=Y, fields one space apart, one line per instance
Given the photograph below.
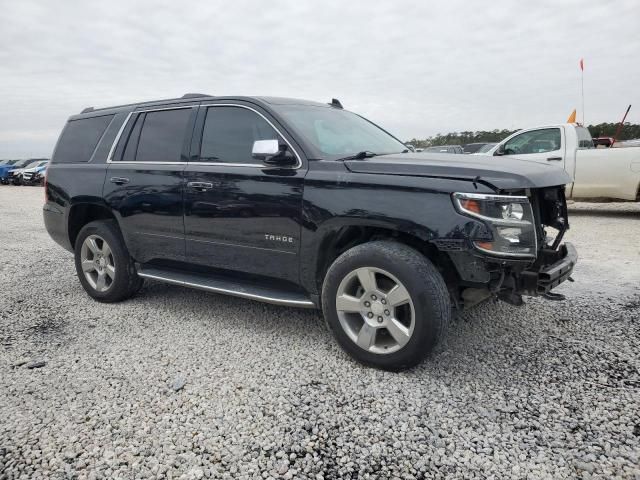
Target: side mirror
x=271 y=153
x=500 y=150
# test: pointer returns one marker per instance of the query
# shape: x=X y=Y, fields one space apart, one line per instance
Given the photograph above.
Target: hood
x=502 y=173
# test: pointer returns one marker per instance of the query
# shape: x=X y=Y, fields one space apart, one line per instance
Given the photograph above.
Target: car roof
x=194 y=97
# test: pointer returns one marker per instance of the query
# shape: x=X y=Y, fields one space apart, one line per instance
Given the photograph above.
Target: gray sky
x=416 y=68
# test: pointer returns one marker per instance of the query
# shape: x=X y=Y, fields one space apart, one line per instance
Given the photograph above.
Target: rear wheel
x=104 y=266
x=386 y=304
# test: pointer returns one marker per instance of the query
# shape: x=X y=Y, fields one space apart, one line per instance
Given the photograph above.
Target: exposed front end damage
x=508 y=276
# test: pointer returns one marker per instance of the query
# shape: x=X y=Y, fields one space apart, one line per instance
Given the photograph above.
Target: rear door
x=544 y=145
x=144 y=182
x=239 y=214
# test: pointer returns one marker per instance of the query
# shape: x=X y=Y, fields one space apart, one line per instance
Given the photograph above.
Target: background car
x=35 y=173
x=13 y=174
x=445 y=149
x=5 y=167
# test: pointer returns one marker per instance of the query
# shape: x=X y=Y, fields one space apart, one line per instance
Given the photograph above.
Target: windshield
x=35 y=166
x=486 y=148
x=336 y=133
x=22 y=163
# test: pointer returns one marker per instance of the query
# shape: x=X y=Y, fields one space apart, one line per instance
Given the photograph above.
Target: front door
x=239 y=214
x=544 y=145
x=144 y=182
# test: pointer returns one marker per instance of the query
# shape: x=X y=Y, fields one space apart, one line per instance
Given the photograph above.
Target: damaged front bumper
x=510 y=283
x=556 y=267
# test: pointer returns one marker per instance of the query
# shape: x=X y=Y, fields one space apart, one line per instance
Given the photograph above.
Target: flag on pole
x=582 y=86
x=572 y=117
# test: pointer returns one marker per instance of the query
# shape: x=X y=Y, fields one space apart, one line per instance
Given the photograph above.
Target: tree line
x=629 y=131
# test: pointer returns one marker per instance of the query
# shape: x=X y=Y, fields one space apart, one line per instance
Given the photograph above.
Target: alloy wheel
x=98 y=263
x=375 y=310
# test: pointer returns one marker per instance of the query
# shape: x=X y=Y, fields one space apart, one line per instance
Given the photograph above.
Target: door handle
x=554 y=159
x=200 y=186
x=119 y=180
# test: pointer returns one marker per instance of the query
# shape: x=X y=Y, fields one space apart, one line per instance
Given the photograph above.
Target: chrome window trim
x=124 y=124
x=117 y=139
x=226 y=164
x=254 y=165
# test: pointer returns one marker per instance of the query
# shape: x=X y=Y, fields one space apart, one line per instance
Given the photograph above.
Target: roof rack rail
x=336 y=103
x=87 y=110
x=194 y=95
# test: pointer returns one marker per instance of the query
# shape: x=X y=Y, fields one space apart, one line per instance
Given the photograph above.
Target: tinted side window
x=229 y=133
x=535 y=141
x=79 y=139
x=162 y=135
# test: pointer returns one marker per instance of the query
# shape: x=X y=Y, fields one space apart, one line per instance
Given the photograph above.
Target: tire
x=414 y=327
x=114 y=263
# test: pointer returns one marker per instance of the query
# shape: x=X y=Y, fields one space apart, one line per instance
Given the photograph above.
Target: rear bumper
x=558 y=269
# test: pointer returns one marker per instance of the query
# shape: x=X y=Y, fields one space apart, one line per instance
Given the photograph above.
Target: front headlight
x=510 y=219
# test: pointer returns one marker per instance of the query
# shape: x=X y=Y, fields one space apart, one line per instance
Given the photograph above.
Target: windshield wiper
x=359 y=156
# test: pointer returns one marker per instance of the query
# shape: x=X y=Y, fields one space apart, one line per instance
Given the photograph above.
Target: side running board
x=234 y=287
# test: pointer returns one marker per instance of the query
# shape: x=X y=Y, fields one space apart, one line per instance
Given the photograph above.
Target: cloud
x=416 y=68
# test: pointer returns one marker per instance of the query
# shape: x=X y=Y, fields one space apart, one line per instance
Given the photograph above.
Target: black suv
x=303 y=204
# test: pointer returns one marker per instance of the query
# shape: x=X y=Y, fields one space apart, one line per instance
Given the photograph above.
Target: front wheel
x=104 y=266
x=386 y=304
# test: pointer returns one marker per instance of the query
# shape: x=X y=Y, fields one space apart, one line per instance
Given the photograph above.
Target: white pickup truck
x=608 y=173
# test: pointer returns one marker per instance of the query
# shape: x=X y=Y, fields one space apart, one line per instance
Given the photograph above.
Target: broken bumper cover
x=558 y=268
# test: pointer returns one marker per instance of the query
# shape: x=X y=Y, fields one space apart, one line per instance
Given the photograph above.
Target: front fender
x=408 y=206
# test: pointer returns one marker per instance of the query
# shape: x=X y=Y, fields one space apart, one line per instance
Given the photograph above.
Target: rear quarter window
x=584 y=138
x=79 y=139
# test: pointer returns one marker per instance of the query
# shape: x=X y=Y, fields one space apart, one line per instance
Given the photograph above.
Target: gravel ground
x=177 y=383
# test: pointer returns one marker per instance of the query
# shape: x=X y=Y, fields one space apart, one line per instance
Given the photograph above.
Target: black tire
x=126 y=282
x=426 y=288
